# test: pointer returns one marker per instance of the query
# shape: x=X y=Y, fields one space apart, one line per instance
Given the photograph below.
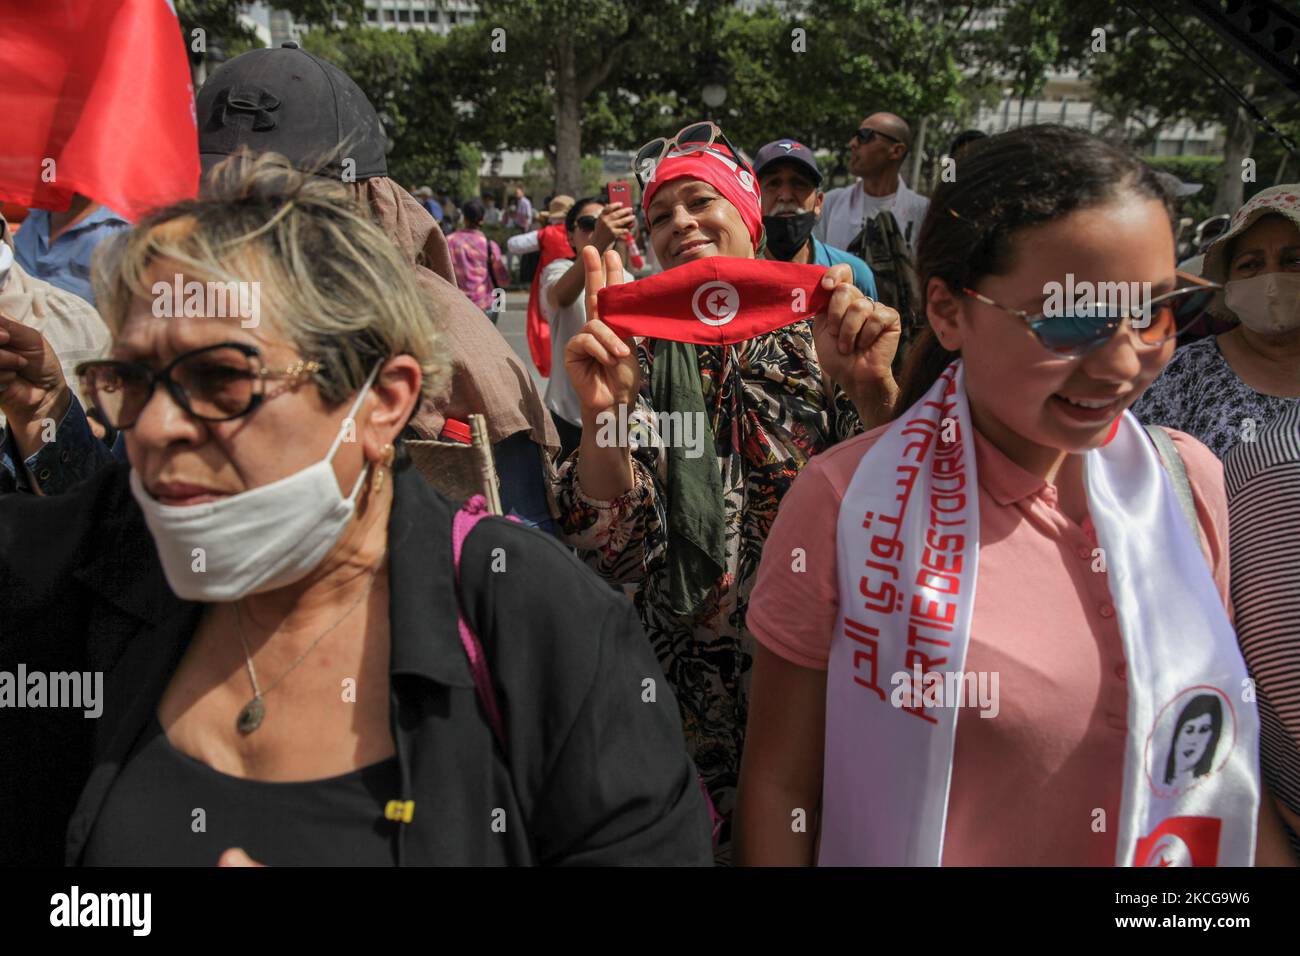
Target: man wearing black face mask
x=790 y=182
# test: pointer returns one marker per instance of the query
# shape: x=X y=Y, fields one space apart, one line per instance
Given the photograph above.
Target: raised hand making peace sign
x=605 y=375
x=602 y=367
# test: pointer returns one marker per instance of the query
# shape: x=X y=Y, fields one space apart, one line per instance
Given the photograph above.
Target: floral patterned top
x=469 y=250
x=1199 y=393
x=771 y=411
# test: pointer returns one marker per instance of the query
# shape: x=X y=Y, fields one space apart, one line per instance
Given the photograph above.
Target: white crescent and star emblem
x=1169 y=850
x=746 y=180
x=715 y=303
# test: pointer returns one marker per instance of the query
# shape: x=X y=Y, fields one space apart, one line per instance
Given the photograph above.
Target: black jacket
x=594 y=774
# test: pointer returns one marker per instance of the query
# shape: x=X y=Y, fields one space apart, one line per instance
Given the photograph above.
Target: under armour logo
x=255 y=102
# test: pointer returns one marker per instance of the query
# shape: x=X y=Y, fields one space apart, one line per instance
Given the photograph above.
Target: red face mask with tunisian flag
x=718 y=300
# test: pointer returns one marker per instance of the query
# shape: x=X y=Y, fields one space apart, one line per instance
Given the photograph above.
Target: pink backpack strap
x=471 y=513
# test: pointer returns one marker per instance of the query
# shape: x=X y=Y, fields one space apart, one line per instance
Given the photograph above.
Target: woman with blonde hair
x=275 y=601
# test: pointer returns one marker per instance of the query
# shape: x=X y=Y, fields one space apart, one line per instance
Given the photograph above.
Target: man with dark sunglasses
x=877 y=149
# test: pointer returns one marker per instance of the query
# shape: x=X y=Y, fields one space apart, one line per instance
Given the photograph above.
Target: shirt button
x=1121 y=670
x=64 y=456
x=1106 y=610
x=1084 y=553
x=44 y=474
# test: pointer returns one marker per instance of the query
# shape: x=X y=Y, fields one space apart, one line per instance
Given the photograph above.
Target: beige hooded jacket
x=487 y=376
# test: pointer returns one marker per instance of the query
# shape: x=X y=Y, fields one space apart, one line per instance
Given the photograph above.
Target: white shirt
x=524 y=243
x=847 y=209
x=565 y=323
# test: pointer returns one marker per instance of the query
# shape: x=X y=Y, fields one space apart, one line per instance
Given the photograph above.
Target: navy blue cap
x=788 y=150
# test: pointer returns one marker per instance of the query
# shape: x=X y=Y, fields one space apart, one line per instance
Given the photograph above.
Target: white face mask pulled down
x=1267 y=304
x=258 y=540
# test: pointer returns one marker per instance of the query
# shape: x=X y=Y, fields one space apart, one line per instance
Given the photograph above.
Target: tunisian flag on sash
x=95 y=98
x=553 y=243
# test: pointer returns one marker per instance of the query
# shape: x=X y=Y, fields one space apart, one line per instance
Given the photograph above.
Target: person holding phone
x=589 y=223
x=548 y=243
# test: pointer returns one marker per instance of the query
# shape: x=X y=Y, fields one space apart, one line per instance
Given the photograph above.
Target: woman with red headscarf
x=686 y=520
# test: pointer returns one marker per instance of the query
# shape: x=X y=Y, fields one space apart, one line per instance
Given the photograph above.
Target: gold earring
x=387 y=462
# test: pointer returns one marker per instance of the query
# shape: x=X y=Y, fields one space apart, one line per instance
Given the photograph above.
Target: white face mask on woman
x=1267 y=304
x=257 y=540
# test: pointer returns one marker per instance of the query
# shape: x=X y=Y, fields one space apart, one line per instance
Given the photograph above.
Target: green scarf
x=697 y=551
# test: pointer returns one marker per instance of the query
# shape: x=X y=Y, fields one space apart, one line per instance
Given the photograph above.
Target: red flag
x=1180 y=841
x=553 y=243
x=717 y=300
x=96 y=99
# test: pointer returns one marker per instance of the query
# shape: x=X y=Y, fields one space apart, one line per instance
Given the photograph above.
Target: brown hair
x=1025 y=177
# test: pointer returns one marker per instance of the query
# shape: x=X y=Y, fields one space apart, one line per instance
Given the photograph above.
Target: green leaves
x=576 y=78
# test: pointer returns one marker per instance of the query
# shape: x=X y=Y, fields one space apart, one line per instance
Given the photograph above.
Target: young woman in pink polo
x=991 y=631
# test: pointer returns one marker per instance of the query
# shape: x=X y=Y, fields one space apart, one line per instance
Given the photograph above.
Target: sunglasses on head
x=866 y=134
x=1078 y=332
x=694 y=138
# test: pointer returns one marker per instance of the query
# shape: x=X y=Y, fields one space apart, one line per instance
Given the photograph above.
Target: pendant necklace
x=254 y=712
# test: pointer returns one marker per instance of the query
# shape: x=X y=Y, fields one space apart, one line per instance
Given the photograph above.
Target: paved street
x=511 y=325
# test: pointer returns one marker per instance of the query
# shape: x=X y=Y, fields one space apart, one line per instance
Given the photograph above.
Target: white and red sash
x=908 y=556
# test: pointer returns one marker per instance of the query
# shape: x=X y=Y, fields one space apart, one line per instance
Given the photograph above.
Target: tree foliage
x=574 y=79
x=1145 y=74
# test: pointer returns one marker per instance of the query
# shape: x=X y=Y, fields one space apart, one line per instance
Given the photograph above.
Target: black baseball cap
x=787 y=151
x=287 y=101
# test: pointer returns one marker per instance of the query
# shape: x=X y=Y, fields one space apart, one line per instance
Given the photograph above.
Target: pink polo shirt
x=1026 y=784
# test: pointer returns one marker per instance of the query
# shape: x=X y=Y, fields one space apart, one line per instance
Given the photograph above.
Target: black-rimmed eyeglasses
x=216 y=383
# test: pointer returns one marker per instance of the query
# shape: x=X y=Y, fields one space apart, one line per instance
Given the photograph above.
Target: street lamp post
x=714 y=91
